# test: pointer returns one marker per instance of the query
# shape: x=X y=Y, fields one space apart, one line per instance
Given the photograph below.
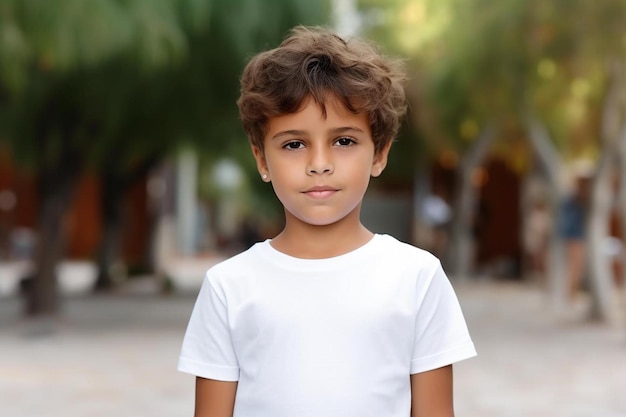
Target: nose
x=320 y=162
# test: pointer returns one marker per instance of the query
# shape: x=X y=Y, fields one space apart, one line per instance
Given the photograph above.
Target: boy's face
x=320 y=167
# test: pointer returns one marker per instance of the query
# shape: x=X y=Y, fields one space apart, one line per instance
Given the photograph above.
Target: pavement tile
x=116 y=355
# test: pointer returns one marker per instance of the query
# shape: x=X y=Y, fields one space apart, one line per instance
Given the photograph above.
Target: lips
x=321 y=191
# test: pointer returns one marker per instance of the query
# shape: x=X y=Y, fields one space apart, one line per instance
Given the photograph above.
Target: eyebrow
x=336 y=130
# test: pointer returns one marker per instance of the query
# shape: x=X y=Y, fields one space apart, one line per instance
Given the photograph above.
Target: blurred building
x=389 y=207
x=18 y=221
x=497 y=219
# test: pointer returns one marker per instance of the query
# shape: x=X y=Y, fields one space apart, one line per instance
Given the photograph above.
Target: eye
x=345 y=141
x=293 y=145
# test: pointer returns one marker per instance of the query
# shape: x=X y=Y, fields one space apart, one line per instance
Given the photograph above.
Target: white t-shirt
x=335 y=337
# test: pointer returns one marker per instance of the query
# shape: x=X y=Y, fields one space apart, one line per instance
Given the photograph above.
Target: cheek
x=281 y=169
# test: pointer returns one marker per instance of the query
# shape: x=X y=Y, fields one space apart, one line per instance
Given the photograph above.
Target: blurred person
x=536 y=239
x=326 y=318
x=437 y=214
x=572 y=224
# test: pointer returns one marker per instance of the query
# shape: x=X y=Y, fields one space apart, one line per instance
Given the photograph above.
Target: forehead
x=312 y=117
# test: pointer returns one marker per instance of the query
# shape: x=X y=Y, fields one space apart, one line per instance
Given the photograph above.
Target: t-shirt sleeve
x=441 y=334
x=207 y=349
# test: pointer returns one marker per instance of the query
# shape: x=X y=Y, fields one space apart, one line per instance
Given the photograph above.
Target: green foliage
x=166 y=76
x=63 y=35
x=482 y=61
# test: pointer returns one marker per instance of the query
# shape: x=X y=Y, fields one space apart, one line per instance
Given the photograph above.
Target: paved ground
x=533 y=362
x=116 y=356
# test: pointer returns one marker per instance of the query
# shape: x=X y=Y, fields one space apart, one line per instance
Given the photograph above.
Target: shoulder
x=241 y=264
x=394 y=247
x=406 y=256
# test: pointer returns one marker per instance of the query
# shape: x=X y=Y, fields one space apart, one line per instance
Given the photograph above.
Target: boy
x=326 y=319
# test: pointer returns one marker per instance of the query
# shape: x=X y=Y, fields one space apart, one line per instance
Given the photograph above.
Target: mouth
x=320 y=192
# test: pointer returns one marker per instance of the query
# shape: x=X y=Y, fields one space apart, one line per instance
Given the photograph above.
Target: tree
x=78 y=95
x=204 y=89
x=538 y=67
x=52 y=120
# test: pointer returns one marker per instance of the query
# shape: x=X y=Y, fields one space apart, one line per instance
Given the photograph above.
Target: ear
x=261 y=163
x=380 y=160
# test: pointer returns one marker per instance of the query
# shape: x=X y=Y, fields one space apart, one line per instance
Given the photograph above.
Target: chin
x=321 y=222
x=323 y=217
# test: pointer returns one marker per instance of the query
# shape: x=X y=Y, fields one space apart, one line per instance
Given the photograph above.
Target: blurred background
x=125 y=174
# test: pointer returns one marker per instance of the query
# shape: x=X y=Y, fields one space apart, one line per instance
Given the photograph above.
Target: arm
x=431 y=393
x=214 y=398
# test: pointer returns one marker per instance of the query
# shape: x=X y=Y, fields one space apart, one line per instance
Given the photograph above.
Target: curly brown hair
x=315 y=62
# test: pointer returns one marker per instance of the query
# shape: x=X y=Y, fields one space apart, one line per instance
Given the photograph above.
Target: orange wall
x=500 y=197
x=23 y=185
x=83 y=218
x=137 y=225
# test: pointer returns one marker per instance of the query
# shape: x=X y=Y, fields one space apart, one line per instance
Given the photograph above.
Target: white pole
x=186 y=201
x=346 y=17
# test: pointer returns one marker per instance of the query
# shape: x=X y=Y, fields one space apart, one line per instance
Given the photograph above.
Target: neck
x=307 y=241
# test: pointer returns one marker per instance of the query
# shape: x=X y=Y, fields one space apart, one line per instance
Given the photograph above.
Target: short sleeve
x=207 y=349
x=441 y=334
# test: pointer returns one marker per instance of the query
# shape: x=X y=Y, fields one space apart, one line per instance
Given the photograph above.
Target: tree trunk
x=553 y=166
x=115 y=185
x=602 y=286
x=59 y=163
x=622 y=217
x=110 y=245
x=462 y=249
x=613 y=131
x=622 y=205
x=41 y=290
